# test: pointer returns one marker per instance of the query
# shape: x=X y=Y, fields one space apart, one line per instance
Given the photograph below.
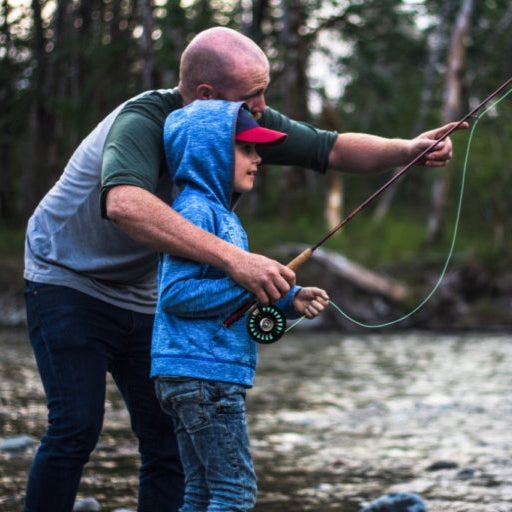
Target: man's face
x=251 y=84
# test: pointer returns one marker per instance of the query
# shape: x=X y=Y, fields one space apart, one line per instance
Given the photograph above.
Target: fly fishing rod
x=266 y=324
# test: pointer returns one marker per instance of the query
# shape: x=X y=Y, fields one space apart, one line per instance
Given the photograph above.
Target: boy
x=202 y=369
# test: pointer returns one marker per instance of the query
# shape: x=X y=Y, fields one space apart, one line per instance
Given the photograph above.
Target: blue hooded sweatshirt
x=194 y=299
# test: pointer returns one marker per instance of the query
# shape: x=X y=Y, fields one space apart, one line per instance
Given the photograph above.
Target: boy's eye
x=247 y=149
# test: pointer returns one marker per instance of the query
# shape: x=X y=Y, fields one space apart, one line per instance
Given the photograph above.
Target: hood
x=199 y=147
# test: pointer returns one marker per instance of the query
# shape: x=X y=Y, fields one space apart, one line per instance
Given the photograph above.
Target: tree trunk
x=335 y=190
x=294 y=85
x=7 y=195
x=253 y=17
x=35 y=174
x=335 y=201
x=340 y=266
x=435 y=45
x=450 y=112
x=146 y=46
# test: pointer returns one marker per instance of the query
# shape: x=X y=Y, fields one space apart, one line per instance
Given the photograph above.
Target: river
x=336 y=420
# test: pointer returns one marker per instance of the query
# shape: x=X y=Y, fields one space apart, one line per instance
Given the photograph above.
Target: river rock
x=17 y=444
x=466 y=473
x=86 y=505
x=397 y=502
x=442 y=464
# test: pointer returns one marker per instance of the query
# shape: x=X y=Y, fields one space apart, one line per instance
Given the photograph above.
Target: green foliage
x=61 y=73
x=382 y=92
x=401 y=237
x=11 y=242
x=400 y=240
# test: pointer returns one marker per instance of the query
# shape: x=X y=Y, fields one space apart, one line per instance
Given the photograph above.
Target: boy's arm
x=188 y=288
x=308 y=301
x=188 y=293
x=286 y=304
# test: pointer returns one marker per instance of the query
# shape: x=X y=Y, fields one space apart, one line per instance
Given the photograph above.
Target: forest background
x=390 y=67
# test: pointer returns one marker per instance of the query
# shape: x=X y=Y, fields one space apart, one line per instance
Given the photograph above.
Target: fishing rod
x=266 y=324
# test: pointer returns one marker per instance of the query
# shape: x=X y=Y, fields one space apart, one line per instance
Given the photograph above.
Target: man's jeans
x=211 y=428
x=76 y=340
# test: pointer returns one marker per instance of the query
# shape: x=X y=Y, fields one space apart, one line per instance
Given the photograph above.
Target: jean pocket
x=230 y=399
x=33 y=288
x=184 y=399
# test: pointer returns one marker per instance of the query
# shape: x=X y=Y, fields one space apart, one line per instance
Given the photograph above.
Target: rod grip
x=300 y=259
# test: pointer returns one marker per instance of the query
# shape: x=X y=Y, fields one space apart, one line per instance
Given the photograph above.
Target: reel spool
x=266 y=324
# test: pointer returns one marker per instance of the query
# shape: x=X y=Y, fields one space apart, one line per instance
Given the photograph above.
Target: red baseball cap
x=248 y=130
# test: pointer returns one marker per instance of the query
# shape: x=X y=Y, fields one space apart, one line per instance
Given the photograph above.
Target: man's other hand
x=441 y=154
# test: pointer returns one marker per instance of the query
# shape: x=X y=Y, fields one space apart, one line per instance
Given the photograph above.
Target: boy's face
x=246 y=166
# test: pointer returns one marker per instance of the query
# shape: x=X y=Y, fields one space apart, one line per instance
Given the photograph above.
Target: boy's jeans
x=211 y=428
x=76 y=340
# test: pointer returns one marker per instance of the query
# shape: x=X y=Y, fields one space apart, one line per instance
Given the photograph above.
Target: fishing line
x=269 y=325
x=452 y=245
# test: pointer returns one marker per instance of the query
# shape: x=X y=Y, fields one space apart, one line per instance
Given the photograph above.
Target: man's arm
x=153 y=223
x=368 y=154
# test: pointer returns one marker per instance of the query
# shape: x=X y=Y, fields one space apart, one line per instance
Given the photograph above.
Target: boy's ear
x=204 y=92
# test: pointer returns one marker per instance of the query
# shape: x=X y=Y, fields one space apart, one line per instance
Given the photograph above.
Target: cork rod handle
x=300 y=259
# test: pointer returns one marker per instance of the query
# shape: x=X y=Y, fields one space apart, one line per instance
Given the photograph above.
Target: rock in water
x=86 y=505
x=16 y=444
x=397 y=502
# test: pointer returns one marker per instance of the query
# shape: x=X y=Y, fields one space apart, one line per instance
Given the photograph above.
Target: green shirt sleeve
x=133 y=153
x=306 y=146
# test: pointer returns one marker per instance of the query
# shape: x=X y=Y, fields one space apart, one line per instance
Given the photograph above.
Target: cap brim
x=260 y=135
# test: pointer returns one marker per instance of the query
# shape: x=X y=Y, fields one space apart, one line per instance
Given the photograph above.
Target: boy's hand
x=310 y=301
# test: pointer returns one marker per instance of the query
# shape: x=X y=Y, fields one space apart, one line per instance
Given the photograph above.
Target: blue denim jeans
x=211 y=427
x=76 y=340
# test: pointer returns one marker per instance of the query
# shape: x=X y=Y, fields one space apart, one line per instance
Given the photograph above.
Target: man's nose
x=258 y=106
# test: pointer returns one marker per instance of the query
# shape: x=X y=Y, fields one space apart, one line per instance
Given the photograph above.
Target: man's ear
x=204 y=92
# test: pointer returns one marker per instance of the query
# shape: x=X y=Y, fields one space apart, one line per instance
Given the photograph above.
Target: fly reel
x=266 y=324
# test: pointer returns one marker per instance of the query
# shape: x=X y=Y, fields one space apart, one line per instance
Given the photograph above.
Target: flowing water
x=336 y=420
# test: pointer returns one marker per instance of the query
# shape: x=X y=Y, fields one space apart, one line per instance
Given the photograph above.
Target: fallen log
x=356 y=274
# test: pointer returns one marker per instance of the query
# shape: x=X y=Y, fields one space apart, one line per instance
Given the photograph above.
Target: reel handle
x=246 y=306
x=239 y=313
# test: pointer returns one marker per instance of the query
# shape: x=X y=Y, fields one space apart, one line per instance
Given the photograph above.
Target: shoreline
x=470 y=299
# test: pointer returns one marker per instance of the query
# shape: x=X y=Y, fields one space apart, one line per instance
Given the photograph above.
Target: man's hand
x=310 y=301
x=441 y=154
x=267 y=279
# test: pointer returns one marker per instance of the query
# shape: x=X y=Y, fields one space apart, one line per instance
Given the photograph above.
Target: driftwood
x=356 y=274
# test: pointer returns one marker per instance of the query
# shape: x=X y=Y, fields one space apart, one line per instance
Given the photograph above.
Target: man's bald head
x=218 y=57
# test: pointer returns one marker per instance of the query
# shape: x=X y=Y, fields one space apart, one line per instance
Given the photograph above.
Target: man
x=91 y=253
